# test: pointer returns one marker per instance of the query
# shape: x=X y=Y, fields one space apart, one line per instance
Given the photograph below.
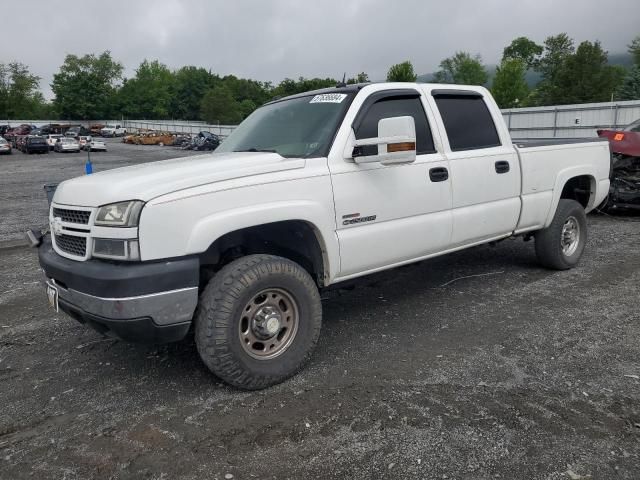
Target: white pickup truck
x=309 y=191
x=113 y=130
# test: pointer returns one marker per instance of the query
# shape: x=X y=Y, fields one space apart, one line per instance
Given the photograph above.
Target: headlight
x=121 y=214
x=116 y=249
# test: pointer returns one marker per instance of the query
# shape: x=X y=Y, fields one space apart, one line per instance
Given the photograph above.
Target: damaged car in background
x=624 y=190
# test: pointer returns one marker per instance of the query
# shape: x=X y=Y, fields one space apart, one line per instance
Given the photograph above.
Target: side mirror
x=396 y=143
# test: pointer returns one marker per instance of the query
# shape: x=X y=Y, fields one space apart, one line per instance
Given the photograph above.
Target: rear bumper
x=147 y=302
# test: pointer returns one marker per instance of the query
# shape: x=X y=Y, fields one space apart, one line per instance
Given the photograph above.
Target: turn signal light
x=401 y=147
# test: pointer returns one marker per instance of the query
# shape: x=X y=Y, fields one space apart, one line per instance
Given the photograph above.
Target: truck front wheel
x=560 y=245
x=258 y=321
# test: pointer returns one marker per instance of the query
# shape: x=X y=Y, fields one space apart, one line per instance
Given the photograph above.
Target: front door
x=389 y=215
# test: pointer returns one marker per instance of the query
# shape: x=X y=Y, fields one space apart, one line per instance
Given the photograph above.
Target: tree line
x=566 y=74
x=92 y=86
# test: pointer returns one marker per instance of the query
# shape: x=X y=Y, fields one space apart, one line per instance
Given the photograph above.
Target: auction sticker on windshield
x=329 y=98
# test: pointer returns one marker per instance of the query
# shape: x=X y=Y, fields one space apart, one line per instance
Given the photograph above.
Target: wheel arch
x=578 y=183
x=269 y=229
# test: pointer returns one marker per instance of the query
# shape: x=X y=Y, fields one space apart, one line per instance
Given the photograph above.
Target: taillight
x=618 y=136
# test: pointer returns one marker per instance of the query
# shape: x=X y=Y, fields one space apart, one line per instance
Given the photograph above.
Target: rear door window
x=467 y=121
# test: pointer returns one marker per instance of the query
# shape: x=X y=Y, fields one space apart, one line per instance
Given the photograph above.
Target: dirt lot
x=477 y=365
x=22 y=198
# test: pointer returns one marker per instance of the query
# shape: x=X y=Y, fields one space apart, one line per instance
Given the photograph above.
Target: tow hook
x=34 y=237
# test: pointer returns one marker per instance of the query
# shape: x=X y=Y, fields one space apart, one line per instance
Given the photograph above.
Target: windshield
x=634 y=127
x=299 y=127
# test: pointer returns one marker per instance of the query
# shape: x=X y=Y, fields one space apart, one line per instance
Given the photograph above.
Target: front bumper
x=147 y=302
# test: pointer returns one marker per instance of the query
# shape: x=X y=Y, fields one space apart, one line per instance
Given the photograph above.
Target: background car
x=95 y=129
x=77 y=131
x=624 y=187
x=52 y=139
x=19 y=142
x=113 y=131
x=95 y=146
x=5 y=148
x=36 y=144
x=66 y=144
x=12 y=134
x=83 y=140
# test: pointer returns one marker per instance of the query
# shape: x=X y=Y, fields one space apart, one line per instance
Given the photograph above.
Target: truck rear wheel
x=560 y=245
x=258 y=321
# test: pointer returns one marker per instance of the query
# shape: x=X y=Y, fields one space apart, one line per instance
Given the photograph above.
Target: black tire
x=549 y=242
x=220 y=319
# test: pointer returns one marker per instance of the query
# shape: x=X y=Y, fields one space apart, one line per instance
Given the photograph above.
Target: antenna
x=344 y=81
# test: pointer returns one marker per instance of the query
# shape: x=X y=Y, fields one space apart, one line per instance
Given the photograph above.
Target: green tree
x=630 y=88
x=402 y=72
x=20 y=97
x=523 y=49
x=247 y=107
x=362 y=77
x=634 y=50
x=289 y=86
x=85 y=87
x=509 y=85
x=246 y=89
x=189 y=87
x=556 y=51
x=462 y=69
x=219 y=107
x=148 y=94
x=585 y=76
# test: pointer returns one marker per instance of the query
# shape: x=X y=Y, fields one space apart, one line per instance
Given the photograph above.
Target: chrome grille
x=71 y=244
x=72 y=216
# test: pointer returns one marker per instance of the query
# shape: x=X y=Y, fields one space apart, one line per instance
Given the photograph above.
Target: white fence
x=177 y=126
x=535 y=122
x=40 y=123
x=570 y=120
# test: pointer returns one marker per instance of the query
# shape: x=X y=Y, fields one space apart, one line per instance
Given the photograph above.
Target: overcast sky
x=271 y=39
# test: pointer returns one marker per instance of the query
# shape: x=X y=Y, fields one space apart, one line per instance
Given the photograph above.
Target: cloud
x=270 y=40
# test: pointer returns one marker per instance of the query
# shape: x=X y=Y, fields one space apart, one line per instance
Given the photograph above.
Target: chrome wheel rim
x=268 y=323
x=570 y=236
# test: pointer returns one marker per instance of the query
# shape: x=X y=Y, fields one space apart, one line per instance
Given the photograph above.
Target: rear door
x=485 y=170
x=389 y=214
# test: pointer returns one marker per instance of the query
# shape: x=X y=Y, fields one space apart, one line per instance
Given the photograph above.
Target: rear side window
x=396 y=107
x=468 y=122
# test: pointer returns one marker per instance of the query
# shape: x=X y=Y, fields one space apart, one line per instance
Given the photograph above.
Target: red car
x=624 y=192
x=14 y=132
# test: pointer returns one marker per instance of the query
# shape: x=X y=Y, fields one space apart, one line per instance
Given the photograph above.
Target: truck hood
x=150 y=180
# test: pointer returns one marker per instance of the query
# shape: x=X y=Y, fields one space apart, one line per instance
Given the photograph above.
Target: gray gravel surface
x=23 y=203
x=476 y=365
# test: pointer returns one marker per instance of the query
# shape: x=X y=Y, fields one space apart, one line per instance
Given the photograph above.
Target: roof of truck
x=349 y=88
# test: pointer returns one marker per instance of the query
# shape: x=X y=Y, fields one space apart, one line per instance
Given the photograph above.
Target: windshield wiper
x=264 y=150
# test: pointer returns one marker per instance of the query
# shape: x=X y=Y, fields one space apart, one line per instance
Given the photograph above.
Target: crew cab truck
x=309 y=191
x=115 y=130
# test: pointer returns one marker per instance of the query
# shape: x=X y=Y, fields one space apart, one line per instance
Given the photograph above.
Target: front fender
x=210 y=228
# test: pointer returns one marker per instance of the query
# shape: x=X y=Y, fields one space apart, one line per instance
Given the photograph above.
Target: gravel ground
x=23 y=202
x=476 y=365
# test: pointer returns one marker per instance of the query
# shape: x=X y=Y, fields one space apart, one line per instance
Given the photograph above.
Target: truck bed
x=544 y=142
